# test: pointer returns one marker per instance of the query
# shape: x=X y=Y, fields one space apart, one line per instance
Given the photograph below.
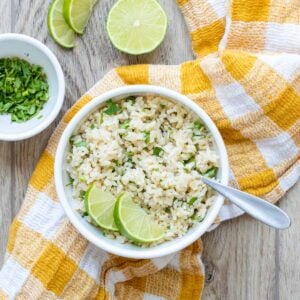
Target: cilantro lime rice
x=151 y=148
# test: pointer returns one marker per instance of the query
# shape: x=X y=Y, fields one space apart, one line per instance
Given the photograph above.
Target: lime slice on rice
x=58 y=28
x=134 y=223
x=100 y=207
x=77 y=13
x=136 y=27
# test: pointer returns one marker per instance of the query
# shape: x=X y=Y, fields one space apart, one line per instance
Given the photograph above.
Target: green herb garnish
x=212 y=172
x=81 y=144
x=112 y=108
x=23 y=89
x=82 y=194
x=190 y=160
x=197 y=218
x=71 y=181
x=101 y=118
x=157 y=151
x=168 y=210
x=198 y=124
x=125 y=125
x=84 y=214
x=71 y=139
x=193 y=200
x=147 y=137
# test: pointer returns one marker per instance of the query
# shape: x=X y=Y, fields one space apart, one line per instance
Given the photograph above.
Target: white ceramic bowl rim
x=105 y=243
x=61 y=86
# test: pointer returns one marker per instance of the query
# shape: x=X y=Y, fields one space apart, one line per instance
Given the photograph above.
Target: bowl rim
x=61 y=86
x=104 y=244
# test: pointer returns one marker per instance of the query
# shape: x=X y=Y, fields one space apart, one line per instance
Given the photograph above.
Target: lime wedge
x=77 y=13
x=58 y=28
x=100 y=207
x=136 y=27
x=134 y=223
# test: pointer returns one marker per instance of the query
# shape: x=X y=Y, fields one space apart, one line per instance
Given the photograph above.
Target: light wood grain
x=6 y=158
x=288 y=249
x=244 y=259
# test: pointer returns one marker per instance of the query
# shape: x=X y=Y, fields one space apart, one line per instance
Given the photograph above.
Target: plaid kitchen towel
x=247 y=78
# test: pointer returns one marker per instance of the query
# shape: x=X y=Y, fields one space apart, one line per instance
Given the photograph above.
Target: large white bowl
x=95 y=235
x=30 y=49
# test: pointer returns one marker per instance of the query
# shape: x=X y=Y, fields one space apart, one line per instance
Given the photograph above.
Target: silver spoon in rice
x=256 y=207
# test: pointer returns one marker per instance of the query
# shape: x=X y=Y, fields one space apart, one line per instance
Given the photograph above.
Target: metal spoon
x=254 y=206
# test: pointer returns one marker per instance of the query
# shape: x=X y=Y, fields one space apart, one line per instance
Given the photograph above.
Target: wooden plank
x=240 y=260
x=5 y=153
x=288 y=248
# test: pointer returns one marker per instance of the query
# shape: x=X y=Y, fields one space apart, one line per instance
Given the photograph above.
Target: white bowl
x=95 y=235
x=30 y=49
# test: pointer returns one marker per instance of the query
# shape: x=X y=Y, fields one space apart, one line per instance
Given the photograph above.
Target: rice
x=151 y=148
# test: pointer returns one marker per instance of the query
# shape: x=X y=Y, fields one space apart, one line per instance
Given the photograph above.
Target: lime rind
x=100 y=207
x=134 y=223
x=77 y=13
x=136 y=40
x=59 y=30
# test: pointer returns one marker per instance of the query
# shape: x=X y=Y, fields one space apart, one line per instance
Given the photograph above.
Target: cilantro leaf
x=112 y=108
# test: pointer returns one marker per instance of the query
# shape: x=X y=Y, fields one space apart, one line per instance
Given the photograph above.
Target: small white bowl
x=95 y=235
x=30 y=49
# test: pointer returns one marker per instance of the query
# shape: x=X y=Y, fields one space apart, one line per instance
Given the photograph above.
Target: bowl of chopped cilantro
x=32 y=87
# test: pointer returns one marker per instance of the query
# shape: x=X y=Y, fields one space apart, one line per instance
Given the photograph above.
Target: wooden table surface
x=244 y=259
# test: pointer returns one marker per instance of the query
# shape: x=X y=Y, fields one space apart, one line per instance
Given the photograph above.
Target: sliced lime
x=58 y=28
x=134 y=223
x=77 y=13
x=100 y=207
x=136 y=27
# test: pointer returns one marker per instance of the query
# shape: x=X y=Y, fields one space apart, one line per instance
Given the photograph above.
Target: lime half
x=134 y=223
x=136 y=27
x=58 y=28
x=100 y=207
x=77 y=13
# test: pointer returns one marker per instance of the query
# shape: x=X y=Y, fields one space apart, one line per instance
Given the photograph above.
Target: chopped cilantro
x=23 y=89
x=71 y=139
x=168 y=210
x=212 y=172
x=101 y=118
x=190 y=160
x=147 y=137
x=198 y=124
x=157 y=151
x=112 y=108
x=84 y=214
x=82 y=194
x=125 y=125
x=81 y=144
x=193 y=200
x=71 y=181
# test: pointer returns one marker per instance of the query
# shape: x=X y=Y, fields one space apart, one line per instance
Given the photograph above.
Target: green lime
x=136 y=27
x=77 y=13
x=58 y=28
x=100 y=207
x=134 y=223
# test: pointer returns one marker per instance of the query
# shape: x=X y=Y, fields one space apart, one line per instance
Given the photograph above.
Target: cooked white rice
x=151 y=148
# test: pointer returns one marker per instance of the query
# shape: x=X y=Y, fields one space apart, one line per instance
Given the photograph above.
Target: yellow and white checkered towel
x=247 y=78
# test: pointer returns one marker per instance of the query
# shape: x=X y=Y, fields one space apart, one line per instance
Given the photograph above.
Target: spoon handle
x=254 y=206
